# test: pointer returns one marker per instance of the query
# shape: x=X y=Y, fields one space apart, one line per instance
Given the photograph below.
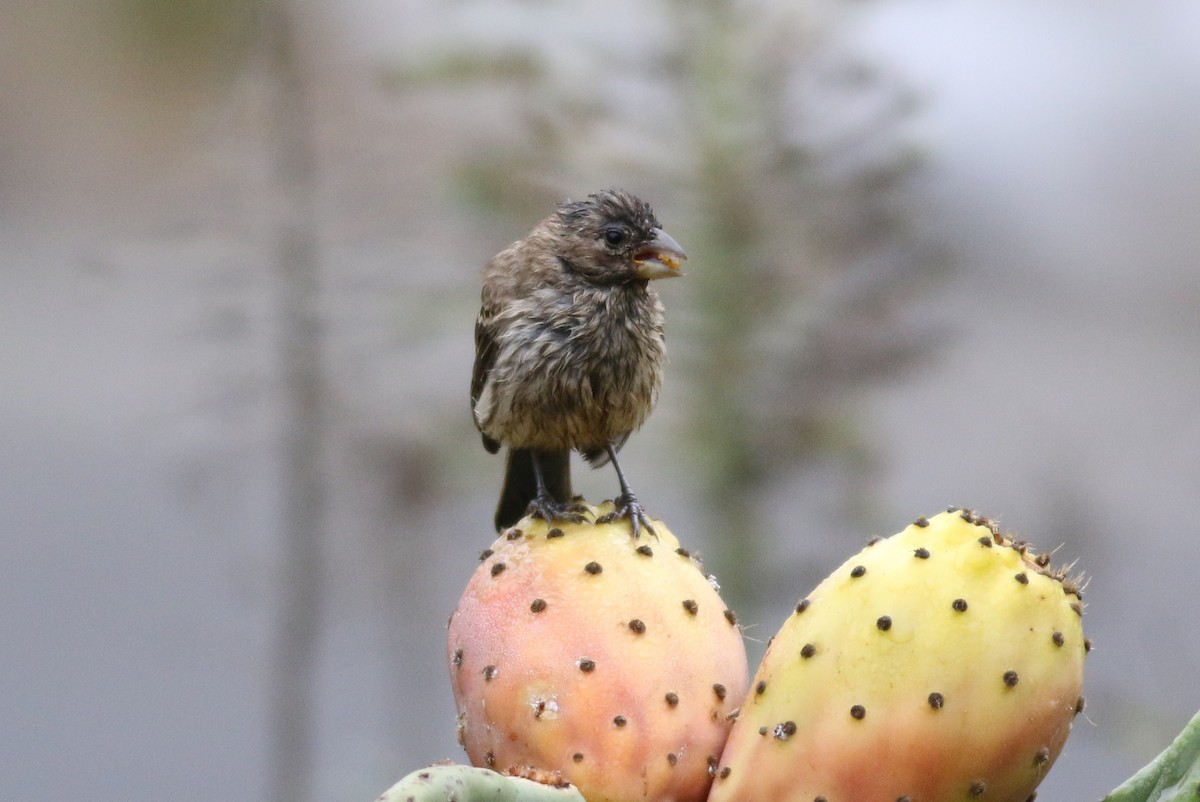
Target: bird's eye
x=614 y=236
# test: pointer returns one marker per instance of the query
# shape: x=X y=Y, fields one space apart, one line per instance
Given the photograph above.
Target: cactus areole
x=943 y=663
x=580 y=650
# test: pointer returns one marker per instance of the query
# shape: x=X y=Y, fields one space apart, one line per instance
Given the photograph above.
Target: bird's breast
x=576 y=373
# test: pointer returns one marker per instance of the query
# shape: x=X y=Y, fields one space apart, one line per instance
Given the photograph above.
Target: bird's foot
x=549 y=509
x=627 y=506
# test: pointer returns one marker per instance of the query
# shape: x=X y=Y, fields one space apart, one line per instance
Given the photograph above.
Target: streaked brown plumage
x=569 y=348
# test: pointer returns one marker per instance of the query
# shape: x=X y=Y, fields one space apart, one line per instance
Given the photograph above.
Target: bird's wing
x=485 y=357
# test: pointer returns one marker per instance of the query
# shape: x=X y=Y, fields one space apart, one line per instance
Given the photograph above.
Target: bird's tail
x=520 y=484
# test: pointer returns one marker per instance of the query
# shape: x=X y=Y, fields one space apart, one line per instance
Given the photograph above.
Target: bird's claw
x=627 y=506
x=549 y=510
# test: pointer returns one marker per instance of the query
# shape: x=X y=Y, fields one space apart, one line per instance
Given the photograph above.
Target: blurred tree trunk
x=717 y=110
x=303 y=491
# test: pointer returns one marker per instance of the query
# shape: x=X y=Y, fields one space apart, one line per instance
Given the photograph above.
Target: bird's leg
x=544 y=505
x=627 y=504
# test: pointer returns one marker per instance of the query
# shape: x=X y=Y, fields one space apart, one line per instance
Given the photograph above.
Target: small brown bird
x=569 y=349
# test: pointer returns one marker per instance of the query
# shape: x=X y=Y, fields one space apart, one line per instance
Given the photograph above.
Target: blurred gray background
x=942 y=253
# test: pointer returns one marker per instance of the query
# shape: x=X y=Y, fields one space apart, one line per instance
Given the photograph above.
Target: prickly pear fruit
x=453 y=783
x=943 y=663
x=576 y=648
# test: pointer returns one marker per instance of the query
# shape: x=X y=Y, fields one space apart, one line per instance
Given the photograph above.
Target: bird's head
x=613 y=237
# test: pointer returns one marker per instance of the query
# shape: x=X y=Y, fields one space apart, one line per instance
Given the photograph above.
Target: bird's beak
x=660 y=258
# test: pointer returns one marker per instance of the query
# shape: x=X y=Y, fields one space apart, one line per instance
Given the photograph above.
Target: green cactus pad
x=1171 y=777
x=454 y=783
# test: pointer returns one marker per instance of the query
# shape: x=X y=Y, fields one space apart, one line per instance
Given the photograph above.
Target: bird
x=569 y=350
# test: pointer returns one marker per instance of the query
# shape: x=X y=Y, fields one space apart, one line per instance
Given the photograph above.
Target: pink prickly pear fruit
x=576 y=648
x=943 y=663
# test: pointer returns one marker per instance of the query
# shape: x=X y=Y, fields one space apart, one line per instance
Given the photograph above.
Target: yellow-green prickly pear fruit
x=578 y=649
x=943 y=663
